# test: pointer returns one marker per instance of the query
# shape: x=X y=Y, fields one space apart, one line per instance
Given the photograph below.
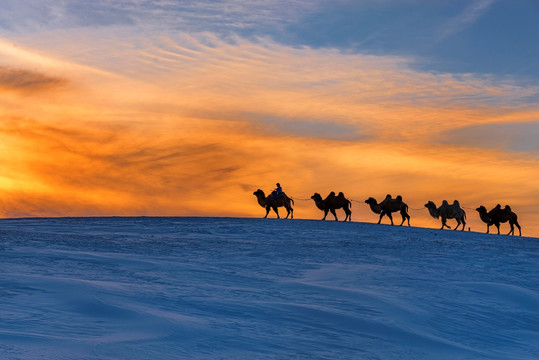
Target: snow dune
x=226 y=288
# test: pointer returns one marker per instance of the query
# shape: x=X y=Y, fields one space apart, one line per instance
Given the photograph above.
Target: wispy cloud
x=27 y=81
x=189 y=123
x=466 y=18
x=224 y=17
x=513 y=136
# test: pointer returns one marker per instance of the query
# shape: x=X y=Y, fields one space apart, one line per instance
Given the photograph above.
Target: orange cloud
x=192 y=127
x=26 y=81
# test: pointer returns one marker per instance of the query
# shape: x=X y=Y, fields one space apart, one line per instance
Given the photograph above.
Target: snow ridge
x=229 y=288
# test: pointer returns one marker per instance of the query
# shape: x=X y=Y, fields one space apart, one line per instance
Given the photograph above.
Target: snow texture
x=227 y=288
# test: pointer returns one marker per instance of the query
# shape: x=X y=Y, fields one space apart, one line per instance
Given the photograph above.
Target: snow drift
x=219 y=288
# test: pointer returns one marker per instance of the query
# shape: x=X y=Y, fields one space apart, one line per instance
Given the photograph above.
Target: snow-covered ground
x=227 y=288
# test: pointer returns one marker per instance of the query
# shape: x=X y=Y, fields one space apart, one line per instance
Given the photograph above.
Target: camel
x=485 y=218
x=499 y=215
x=331 y=203
x=269 y=203
x=446 y=211
x=389 y=205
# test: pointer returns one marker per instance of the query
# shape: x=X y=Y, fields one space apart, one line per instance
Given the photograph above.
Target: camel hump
x=445 y=203
x=456 y=202
x=341 y=194
x=399 y=198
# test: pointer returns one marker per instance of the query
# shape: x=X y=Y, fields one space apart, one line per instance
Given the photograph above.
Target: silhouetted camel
x=331 y=203
x=499 y=215
x=485 y=218
x=269 y=203
x=389 y=205
x=446 y=211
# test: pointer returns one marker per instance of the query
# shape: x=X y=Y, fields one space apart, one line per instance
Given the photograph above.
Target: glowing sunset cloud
x=109 y=120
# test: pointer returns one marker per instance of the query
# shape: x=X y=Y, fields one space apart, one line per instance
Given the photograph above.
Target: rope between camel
x=361 y=202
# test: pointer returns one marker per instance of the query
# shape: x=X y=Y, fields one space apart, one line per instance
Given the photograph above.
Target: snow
x=230 y=288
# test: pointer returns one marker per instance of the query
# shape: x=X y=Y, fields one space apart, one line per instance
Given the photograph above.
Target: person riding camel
x=277 y=192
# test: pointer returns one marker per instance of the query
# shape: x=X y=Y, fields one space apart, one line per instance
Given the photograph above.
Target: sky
x=137 y=107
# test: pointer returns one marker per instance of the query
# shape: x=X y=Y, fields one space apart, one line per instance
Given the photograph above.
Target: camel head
x=433 y=211
x=316 y=197
x=371 y=201
x=481 y=210
x=258 y=193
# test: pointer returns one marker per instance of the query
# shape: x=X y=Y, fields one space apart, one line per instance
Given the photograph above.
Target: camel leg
x=291 y=213
x=444 y=220
x=405 y=216
x=334 y=214
x=498 y=227
x=287 y=213
x=348 y=214
x=381 y=216
x=519 y=230
x=488 y=228
x=390 y=217
x=458 y=224
x=276 y=211
x=512 y=230
x=325 y=214
x=267 y=211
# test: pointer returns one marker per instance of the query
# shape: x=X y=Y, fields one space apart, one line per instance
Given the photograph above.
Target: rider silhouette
x=277 y=192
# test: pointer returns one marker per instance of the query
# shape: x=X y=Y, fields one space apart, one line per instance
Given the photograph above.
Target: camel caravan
x=389 y=205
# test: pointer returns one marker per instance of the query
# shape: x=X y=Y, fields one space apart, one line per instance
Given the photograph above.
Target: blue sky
x=478 y=36
x=487 y=36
